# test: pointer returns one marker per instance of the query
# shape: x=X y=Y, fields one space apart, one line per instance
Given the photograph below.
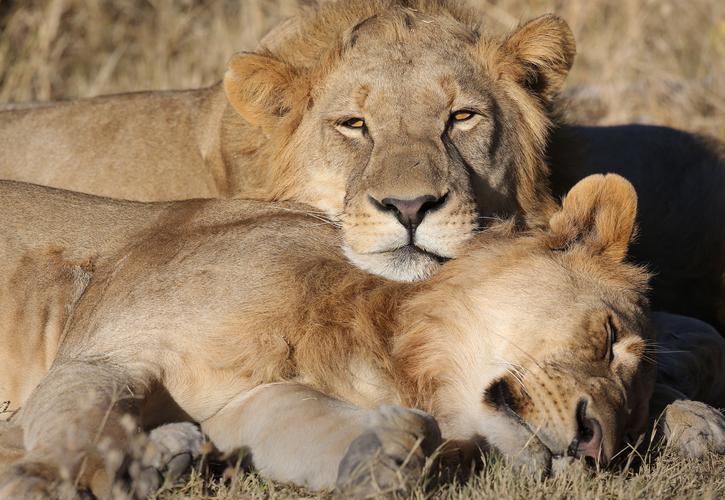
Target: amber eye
x=461 y=115
x=354 y=123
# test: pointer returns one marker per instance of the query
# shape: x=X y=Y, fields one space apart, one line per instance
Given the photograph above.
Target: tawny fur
x=235 y=305
x=249 y=317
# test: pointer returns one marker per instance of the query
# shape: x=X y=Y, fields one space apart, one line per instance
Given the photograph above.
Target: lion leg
x=296 y=434
x=690 y=377
x=73 y=431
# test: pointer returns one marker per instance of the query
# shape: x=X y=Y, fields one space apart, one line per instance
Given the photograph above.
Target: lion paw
x=177 y=445
x=161 y=456
x=694 y=428
x=390 y=456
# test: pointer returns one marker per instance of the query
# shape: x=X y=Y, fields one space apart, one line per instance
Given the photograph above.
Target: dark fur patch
x=408 y=21
x=500 y=396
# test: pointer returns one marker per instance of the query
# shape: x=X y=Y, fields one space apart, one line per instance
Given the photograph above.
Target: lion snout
x=584 y=423
x=409 y=212
x=406 y=238
x=588 y=443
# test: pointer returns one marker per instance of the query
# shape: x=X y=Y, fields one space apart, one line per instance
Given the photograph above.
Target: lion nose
x=588 y=442
x=411 y=212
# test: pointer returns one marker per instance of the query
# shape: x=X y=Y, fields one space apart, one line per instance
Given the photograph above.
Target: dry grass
x=649 y=61
x=667 y=476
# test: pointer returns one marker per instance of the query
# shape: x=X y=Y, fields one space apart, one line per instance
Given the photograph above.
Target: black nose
x=410 y=213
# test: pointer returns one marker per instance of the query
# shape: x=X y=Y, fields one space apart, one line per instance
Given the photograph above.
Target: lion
x=404 y=120
x=251 y=319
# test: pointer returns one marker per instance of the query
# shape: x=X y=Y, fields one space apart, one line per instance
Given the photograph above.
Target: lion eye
x=354 y=123
x=462 y=115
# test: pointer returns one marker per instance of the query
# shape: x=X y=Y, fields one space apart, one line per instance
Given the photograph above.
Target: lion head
x=553 y=324
x=404 y=121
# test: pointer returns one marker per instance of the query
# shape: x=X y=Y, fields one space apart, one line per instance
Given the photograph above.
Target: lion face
x=413 y=130
x=412 y=133
x=578 y=377
x=562 y=347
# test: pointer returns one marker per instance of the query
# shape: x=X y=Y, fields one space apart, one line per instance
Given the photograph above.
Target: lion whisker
x=518 y=348
x=319 y=215
x=664 y=351
x=515 y=371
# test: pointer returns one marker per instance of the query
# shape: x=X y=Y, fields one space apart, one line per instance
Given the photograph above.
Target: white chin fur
x=396 y=266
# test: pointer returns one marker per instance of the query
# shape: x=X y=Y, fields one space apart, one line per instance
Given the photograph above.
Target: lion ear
x=598 y=212
x=260 y=88
x=539 y=55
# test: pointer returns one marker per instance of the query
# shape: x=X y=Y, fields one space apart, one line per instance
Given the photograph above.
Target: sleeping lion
x=248 y=315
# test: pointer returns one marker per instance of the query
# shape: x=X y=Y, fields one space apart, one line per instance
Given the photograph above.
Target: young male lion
x=251 y=319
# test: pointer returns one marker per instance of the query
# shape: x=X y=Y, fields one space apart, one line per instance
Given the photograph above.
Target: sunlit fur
x=404 y=67
x=250 y=317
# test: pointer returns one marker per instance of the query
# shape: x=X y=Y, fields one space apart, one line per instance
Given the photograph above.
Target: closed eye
x=612 y=337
